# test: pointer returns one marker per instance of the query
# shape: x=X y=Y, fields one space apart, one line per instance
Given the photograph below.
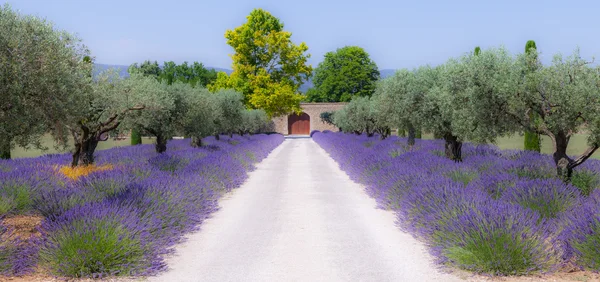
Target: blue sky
x=397 y=34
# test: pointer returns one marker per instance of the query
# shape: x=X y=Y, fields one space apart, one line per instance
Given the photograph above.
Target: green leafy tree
x=42 y=69
x=564 y=100
x=162 y=126
x=166 y=121
x=147 y=68
x=231 y=107
x=400 y=98
x=532 y=139
x=346 y=73
x=194 y=74
x=361 y=115
x=477 y=51
x=268 y=68
x=200 y=118
x=327 y=117
x=253 y=122
x=467 y=99
x=107 y=103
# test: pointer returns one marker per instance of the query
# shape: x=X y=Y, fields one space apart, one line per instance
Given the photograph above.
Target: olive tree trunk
x=83 y=154
x=161 y=143
x=411 y=135
x=5 y=149
x=564 y=164
x=453 y=148
x=196 y=142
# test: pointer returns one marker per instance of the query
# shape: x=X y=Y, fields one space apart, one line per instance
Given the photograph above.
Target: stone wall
x=313 y=110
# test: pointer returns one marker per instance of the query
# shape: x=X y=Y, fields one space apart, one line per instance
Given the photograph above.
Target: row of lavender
x=498 y=212
x=124 y=219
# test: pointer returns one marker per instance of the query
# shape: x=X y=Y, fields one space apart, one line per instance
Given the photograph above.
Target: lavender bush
x=17 y=256
x=498 y=212
x=581 y=236
x=123 y=220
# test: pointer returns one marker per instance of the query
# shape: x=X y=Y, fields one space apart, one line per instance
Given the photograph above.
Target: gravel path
x=300 y=218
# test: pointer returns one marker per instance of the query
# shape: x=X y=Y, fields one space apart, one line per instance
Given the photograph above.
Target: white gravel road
x=300 y=218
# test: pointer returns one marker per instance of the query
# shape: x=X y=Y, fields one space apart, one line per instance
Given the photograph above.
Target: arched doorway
x=299 y=124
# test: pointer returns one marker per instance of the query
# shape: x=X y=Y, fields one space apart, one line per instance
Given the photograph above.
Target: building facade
x=307 y=121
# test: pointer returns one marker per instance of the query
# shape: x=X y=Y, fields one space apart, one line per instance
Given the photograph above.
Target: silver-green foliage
x=565 y=98
x=104 y=105
x=230 y=107
x=202 y=114
x=41 y=71
x=254 y=121
x=361 y=115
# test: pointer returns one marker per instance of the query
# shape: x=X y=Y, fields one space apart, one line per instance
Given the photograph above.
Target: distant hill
x=98 y=68
x=307 y=85
x=386 y=73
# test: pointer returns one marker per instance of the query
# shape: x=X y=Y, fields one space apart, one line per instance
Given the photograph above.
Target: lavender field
x=497 y=212
x=123 y=215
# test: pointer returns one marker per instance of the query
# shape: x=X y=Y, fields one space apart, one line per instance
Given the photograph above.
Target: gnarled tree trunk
x=564 y=169
x=161 y=143
x=453 y=147
x=83 y=154
x=86 y=137
x=196 y=142
x=411 y=135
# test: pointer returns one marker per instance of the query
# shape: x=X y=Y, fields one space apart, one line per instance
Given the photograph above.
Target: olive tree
x=565 y=100
x=201 y=116
x=253 y=121
x=400 y=98
x=42 y=69
x=468 y=98
x=163 y=123
x=361 y=115
x=231 y=107
x=107 y=103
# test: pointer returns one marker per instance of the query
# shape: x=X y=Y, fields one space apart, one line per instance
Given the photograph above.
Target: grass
x=47 y=141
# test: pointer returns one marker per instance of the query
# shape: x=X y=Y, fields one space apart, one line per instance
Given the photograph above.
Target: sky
x=396 y=34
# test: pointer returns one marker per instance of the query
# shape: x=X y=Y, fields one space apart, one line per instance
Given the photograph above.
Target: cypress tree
x=136 y=137
x=477 y=50
x=532 y=139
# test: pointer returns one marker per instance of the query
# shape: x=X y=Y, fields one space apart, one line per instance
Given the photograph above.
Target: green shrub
x=497 y=253
x=586 y=181
x=136 y=137
x=588 y=249
x=15 y=198
x=369 y=144
x=532 y=141
x=95 y=240
x=462 y=176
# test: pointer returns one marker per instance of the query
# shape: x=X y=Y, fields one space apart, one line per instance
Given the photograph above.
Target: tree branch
x=586 y=155
x=115 y=116
x=109 y=125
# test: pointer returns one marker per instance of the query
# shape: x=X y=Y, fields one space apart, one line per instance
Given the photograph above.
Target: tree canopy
x=346 y=73
x=170 y=72
x=268 y=68
x=41 y=70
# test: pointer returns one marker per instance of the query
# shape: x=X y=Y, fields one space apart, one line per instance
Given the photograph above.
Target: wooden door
x=299 y=124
